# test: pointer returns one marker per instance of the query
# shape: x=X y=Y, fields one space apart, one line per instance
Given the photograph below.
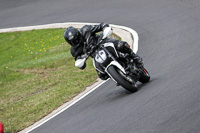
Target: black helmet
x=72 y=36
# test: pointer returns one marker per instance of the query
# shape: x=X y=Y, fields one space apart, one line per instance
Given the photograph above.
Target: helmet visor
x=75 y=41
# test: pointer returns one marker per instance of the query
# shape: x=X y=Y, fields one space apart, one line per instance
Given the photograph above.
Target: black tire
x=124 y=83
x=145 y=77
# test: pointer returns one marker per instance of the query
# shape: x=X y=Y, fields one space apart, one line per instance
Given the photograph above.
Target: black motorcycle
x=119 y=66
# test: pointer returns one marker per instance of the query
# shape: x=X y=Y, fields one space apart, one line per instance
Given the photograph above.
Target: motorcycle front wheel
x=121 y=80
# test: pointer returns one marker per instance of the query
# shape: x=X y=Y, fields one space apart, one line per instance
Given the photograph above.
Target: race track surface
x=169 y=32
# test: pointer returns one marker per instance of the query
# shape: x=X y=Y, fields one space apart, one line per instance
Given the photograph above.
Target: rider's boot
x=102 y=76
x=134 y=84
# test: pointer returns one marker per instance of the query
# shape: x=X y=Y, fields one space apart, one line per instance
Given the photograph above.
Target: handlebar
x=93 y=47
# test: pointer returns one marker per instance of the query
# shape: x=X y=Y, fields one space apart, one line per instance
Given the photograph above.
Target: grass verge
x=37 y=75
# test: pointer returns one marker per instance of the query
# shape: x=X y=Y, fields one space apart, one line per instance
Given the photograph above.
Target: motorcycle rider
x=80 y=40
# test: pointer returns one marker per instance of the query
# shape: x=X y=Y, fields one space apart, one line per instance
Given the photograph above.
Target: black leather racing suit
x=89 y=36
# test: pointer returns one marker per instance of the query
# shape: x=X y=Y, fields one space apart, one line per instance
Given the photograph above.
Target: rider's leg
x=124 y=47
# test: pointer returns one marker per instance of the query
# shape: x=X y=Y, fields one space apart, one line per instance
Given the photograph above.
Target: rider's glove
x=77 y=60
x=83 y=56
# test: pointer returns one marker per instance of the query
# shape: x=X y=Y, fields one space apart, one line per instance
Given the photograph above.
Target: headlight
x=101 y=56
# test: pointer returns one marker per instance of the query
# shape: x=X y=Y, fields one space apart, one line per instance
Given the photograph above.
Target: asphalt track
x=169 y=32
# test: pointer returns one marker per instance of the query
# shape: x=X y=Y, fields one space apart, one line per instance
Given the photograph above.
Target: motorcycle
x=118 y=66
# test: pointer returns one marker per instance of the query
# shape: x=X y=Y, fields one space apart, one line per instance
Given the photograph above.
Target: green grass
x=37 y=75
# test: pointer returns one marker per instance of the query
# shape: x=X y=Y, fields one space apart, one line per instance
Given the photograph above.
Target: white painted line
x=65 y=108
x=124 y=31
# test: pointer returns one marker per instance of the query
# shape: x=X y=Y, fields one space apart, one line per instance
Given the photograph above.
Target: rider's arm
x=77 y=56
x=100 y=27
x=89 y=30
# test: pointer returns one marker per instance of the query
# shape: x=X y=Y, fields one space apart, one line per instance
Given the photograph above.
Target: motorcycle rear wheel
x=145 y=77
x=121 y=80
